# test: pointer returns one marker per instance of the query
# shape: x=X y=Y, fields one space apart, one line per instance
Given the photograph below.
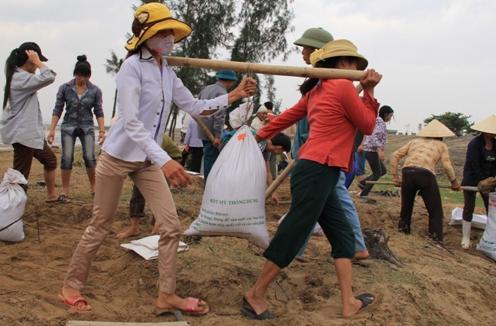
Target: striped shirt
x=423 y=153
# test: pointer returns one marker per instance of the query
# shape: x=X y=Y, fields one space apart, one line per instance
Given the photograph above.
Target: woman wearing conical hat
x=146 y=88
x=418 y=175
x=480 y=164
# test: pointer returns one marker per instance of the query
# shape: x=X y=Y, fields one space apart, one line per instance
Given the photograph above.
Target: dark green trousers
x=313 y=199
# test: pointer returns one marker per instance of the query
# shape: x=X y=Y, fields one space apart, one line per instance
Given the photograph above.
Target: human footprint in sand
x=146 y=87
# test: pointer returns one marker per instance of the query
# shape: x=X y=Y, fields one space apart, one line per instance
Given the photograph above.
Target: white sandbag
x=487 y=243
x=12 y=204
x=317 y=230
x=478 y=221
x=148 y=247
x=234 y=199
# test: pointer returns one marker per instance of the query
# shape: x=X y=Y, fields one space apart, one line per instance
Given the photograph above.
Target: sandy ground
x=435 y=287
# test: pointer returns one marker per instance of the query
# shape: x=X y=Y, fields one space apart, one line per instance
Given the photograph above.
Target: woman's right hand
x=175 y=174
x=34 y=58
x=370 y=79
x=51 y=136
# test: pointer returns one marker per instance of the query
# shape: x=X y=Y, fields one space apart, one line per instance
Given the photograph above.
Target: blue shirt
x=78 y=110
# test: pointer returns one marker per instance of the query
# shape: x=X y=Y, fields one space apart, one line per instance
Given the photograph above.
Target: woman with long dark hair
x=79 y=97
x=22 y=123
x=147 y=86
x=334 y=112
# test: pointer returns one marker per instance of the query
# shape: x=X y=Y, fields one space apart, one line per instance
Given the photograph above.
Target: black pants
x=378 y=170
x=137 y=204
x=196 y=154
x=23 y=159
x=423 y=181
x=313 y=199
x=469 y=204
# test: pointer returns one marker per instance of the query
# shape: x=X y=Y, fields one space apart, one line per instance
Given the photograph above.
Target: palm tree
x=112 y=67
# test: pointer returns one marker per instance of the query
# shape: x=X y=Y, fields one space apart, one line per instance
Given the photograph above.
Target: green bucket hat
x=314 y=37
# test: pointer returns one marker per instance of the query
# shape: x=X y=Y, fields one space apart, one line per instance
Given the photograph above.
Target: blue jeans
x=359 y=164
x=210 y=154
x=350 y=213
x=87 y=140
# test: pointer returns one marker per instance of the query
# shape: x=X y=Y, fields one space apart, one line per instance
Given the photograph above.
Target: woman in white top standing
x=146 y=88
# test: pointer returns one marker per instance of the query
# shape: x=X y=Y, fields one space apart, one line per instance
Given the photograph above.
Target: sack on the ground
x=234 y=199
x=12 y=204
x=478 y=221
x=487 y=243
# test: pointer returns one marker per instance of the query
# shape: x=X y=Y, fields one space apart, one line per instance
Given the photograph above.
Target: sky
x=435 y=56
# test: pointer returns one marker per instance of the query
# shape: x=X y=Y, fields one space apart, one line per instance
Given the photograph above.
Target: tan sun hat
x=488 y=125
x=435 y=129
x=338 y=48
x=151 y=18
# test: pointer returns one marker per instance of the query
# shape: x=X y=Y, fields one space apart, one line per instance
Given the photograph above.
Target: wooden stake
x=279 y=180
x=387 y=183
x=204 y=128
x=248 y=67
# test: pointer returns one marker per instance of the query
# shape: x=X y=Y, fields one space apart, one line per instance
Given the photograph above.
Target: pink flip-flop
x=74 y=301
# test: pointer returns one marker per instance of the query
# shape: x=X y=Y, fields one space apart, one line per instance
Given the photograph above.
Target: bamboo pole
x=204 y=128
x=248 y=67
x=280 y=178
x=387 y=183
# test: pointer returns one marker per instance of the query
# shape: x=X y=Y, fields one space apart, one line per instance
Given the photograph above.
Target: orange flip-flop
x=194 y=307
x=74 y=301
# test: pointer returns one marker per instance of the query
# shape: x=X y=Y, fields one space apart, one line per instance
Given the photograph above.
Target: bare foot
x=74 y=299
x=128 y=232
x=352 y=307
x=167 y=302
x=257 y=303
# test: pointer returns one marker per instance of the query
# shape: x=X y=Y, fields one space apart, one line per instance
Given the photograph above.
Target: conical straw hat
x=435 y=129
x=488 y=125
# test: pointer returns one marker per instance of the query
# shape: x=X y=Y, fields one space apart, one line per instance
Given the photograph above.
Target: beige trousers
x=110 y=175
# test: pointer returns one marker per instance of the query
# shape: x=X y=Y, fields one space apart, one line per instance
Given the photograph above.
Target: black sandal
x=248 y=311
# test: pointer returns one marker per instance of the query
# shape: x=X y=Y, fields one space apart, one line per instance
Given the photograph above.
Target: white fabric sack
x=317 y=230
x=12 y=204
x=234 y=199
x=478 y=221
x=148 y=247
x=487 y=243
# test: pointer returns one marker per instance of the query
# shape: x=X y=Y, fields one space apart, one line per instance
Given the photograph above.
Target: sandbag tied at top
x=12 y=204
x=487 y=243
x=234 y=199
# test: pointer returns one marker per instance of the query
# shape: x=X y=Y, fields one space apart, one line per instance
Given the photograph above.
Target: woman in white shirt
x=146 y=88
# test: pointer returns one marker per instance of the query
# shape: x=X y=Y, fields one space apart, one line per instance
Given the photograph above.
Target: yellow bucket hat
x=435 y=129
x=151 y=18
x=487 y=125
x=338 y=48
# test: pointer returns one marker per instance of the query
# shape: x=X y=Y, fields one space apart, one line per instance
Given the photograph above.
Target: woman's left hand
x=246 y=88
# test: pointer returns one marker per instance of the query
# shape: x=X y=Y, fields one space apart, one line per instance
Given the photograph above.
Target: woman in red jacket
x=334 y=111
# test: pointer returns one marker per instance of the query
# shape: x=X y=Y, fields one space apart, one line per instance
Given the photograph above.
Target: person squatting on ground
x=334 y=112
x=146 y=86
x=312 y=38
x=418 y=175
x=22 y=123
x=373 y=147
x=215 y=123
x=79 y=96
x=480 y=164
x=137 y=202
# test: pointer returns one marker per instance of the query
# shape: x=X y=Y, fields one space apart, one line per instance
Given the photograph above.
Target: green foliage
x=456 y=122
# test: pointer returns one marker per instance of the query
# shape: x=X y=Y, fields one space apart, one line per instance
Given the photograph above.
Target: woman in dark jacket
x=480 y=163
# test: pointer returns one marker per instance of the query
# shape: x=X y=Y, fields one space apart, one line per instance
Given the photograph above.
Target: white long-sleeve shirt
x=145 y=94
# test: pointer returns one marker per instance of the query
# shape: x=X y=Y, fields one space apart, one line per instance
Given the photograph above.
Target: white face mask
x=162 y=45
